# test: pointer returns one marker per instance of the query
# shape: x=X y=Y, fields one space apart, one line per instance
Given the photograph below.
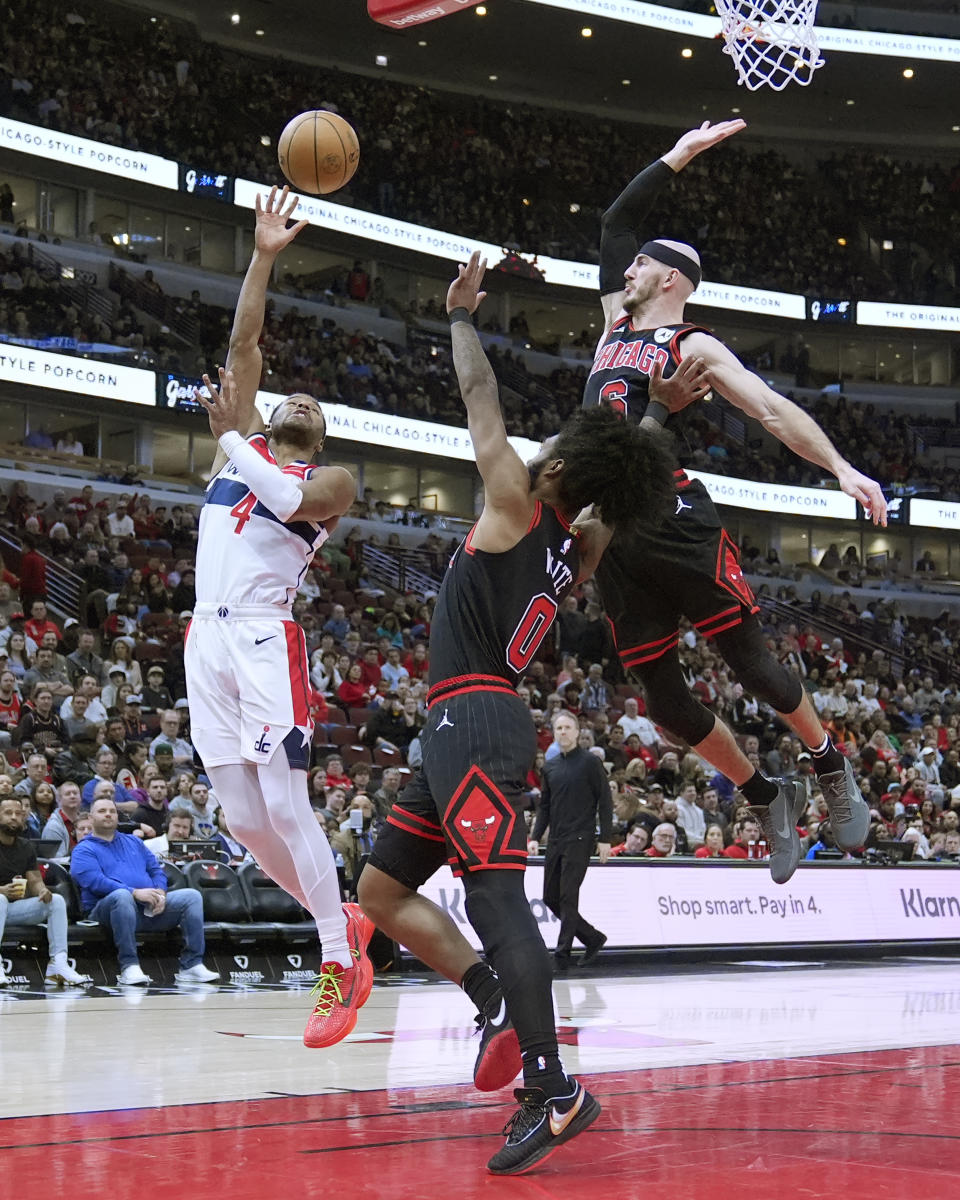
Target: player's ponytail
x=624 y=471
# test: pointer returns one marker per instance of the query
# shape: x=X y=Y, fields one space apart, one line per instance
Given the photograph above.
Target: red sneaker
x=341 y=991
x=360 y=930
x=335 y=1012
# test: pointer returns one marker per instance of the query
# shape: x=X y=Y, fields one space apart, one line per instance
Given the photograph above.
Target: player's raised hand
x=465 y=292
x=272 y=234
x=695 y=141
x=689 y=383
x=224 y=407
x=866 y=490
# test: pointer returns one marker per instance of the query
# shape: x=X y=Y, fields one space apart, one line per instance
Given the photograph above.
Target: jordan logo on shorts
x=445 y=722
x=681 y=505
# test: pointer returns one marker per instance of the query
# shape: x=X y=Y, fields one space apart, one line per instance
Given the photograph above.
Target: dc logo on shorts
x=262 y=745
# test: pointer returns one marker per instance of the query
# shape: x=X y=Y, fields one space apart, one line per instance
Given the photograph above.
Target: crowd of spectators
x=96 y=709
x=303 y=352
x=37 y=303
x=526 y=178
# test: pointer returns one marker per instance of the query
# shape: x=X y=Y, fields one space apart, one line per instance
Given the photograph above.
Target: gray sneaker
x=849 y=812
x=779 y=824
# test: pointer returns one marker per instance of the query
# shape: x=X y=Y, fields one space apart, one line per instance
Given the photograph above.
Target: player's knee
x=677 y=711
x=379 y=896
x=746 y=652
x=497 y=907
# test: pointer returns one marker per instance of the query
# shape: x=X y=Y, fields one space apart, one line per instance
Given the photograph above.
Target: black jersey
x=494 y=610
x=620 y=375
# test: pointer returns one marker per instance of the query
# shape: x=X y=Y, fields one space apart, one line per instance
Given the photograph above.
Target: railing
x=66 y=592
x=926 y=436
x=163 y=308
x=402 y=570
x=902 y=657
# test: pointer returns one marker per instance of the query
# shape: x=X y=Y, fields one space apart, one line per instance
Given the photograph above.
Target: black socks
x=482 y=985
x=759 y=791
x=826 y=758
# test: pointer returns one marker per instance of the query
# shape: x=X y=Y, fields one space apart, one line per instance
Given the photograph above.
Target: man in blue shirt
x=105 y=764
x=124 y=888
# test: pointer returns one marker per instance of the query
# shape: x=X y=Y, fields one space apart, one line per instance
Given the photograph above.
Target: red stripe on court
x=299 y=680
x=864 y=1126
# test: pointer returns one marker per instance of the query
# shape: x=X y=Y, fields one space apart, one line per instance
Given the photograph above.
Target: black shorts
x=465 y=806
x=687 y=565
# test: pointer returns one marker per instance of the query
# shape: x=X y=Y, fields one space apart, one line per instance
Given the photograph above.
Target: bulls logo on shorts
x=482 y=826
x=730 y=573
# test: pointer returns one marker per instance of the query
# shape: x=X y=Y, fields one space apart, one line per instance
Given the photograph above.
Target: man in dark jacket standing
x=575 y=796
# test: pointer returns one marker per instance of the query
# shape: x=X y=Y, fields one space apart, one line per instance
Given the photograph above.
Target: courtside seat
x=175 y=877
x=354 y=754
x=223 y=901
x=269 y=903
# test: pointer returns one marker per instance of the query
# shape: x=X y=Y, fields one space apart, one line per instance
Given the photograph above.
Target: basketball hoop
x=771 y=42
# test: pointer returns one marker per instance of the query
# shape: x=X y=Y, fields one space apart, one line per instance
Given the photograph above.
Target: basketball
x=318 y=152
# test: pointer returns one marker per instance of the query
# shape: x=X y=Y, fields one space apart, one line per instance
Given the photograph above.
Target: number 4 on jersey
x=242 y=510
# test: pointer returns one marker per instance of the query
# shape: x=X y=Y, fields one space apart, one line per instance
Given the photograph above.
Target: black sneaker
x=540 y=1126
x=498 y=1059
x=778 y=821
x=592 y=952
x=849 y=812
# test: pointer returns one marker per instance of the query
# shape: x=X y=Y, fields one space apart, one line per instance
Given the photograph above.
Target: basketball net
x=771 y=42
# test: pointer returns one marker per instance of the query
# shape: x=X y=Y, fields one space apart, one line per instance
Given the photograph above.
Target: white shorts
x=248 y=685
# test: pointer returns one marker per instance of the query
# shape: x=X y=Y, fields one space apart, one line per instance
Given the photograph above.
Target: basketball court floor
x=790 y=1081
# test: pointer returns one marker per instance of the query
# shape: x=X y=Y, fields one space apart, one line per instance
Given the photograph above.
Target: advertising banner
x=82 y=152
x=397 y=433
x=908 y=316
x=777 y=497
x=81 y=376
x=653 y=903
x=527 y=265
x=935 y=514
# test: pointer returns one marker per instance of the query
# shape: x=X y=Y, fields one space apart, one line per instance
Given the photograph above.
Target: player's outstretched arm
x=784 y=419
x=244 y=359
x=329 y=491
x=620 y=227
x=505 y=479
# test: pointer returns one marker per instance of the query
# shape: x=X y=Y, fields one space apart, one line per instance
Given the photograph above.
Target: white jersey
x=245 y=554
